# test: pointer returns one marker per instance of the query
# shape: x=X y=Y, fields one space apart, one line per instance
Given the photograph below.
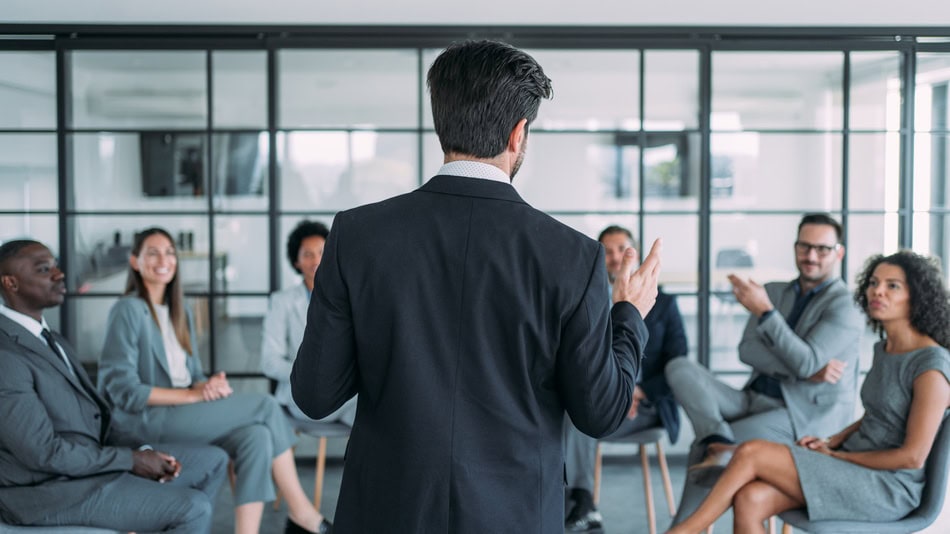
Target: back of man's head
x=480 y=90
x=10 y=250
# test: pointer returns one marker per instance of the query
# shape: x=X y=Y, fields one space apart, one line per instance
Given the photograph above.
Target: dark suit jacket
x=667 y=341
x=54 y=429
x=468 y=322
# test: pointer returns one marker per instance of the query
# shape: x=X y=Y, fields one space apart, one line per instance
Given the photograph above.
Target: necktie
x=48 y=336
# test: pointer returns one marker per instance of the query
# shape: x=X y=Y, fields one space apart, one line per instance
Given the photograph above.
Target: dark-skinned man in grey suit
x=61 y=462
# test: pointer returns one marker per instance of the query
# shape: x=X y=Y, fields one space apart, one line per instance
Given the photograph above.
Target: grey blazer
x=283 y=330
x=55 y=439
x=830 y=327
x=133 y=361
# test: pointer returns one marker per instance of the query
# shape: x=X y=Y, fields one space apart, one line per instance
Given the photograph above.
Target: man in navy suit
x=653 y=401
x=468 y=322
x=61 y=460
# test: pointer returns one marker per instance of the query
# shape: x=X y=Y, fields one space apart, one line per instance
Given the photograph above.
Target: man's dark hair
x=480 y=90
x=10 y=249
x=614 y=229
x=929 y=299
x=303 y=230
x=821 y=218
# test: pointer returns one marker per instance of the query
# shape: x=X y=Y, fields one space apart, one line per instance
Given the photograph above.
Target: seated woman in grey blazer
x=286 y=320
x=873 y=469
x=151 y=374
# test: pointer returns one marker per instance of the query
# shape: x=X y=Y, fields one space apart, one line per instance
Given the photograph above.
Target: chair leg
x=667 y=483
x=597 y=460
x=321 y=466
x=772 y=525
x=648 y=488
x=786 y=528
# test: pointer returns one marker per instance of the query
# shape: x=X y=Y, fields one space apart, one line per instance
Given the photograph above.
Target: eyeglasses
x=804 y=248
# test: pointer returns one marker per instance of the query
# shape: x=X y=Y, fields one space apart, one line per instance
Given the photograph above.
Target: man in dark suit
x=468 y=322
x=60 y=462
x=653 y=401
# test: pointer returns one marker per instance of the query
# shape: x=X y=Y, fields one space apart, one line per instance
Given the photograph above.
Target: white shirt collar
x=475 y=169
x=35 y=327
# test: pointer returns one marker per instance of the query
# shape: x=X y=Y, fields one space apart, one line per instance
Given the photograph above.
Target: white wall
x=540 y=12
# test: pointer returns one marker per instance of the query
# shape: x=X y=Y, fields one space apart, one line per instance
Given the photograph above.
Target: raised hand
x=639 y=287
x=751 y=295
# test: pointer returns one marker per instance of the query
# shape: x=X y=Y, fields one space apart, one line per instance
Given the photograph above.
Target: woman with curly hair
x=873 y=469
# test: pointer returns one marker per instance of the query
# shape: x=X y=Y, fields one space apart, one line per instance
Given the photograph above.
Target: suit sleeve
x=118 y=366
x=674 y=344
x=27 y=431
x=324 y=375
x=598 y=357
x=276 y=360
x=773 y=348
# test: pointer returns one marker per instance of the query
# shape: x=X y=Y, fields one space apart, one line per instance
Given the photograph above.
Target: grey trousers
x=132 y=503
x=716 y=408
x=251 y=427
x=580 y=450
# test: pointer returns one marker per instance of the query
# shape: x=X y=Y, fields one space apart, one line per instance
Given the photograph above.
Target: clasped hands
x=155 y=465
x=824 y=446
x=214 y=388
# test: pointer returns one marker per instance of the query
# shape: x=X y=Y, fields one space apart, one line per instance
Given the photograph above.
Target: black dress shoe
x=325 y=527
x=584 y=519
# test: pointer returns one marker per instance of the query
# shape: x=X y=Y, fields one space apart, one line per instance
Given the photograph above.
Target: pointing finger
x=651 y=264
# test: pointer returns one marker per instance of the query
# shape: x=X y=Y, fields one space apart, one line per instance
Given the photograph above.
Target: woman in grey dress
x=873 y=469
x=151 y=374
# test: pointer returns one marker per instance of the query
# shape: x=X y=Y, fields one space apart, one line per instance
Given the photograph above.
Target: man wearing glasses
x=801 y=341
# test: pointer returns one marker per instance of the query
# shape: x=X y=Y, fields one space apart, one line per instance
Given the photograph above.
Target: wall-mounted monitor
x=175 y=163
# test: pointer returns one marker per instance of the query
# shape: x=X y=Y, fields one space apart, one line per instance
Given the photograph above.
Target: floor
x=622 y=502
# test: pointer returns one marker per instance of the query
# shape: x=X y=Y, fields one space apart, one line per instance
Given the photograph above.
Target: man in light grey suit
x=61 y=463
x=801 y=341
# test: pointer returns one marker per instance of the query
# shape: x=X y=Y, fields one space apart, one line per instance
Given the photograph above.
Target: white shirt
x=36 y=328
x=174 y=354
x=474 y=169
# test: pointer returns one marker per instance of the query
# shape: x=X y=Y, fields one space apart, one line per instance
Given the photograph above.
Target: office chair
x=650 y=435
x=931 y=502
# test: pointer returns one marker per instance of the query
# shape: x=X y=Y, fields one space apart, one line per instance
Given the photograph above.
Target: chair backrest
x=938 y=463
x=733 y=257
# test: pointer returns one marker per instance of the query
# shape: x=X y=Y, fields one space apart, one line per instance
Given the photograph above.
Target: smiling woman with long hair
x=873 y=469
x=151 y=373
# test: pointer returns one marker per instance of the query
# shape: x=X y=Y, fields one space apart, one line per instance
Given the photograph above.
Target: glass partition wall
x=718 y=146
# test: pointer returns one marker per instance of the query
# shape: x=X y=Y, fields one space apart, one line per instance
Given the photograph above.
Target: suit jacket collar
x=472 y=187
x=31 y=343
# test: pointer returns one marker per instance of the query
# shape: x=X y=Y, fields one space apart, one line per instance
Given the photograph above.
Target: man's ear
x=517 y=135
x=8 y=282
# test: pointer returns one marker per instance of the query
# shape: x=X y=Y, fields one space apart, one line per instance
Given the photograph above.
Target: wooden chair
x=643 y=438
x=321 y=431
